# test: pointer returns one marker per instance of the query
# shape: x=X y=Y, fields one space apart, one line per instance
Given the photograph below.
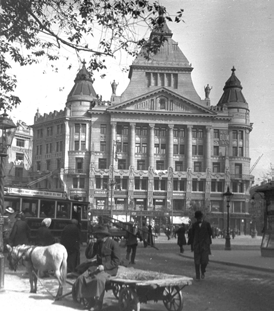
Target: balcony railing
x=240 y=176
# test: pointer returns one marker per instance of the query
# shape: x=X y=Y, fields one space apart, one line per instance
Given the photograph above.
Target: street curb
x=235 y=264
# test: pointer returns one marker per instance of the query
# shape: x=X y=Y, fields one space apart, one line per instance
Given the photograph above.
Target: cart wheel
x=173 y=298
x=116 y=288
x=128 y=300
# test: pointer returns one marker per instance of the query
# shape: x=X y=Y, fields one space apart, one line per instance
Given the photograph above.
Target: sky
x=215 y=36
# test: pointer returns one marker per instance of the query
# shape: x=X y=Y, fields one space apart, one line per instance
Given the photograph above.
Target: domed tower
x=239 y=130
x=82 y=97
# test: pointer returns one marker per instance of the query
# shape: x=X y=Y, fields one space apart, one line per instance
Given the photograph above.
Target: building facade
x=19 y=159
x=158 y=150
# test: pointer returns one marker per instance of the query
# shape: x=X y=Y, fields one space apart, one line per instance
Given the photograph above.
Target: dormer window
x=162 y=104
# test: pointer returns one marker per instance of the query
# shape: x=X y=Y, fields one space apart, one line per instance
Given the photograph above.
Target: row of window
x=49 y=131
x=49 y=164
x=178 y=185
x=159 y=131
x=49 y=148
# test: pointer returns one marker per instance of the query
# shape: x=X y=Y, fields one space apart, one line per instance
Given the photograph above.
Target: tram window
x=14 y=203
x=84 y=209
x=30 y=207
x=47 y=208
x=63 y=210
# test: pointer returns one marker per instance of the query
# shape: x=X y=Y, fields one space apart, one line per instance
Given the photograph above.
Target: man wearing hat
x=20 y=233
x=201 y=233
x=91 y=284
x=181 y=238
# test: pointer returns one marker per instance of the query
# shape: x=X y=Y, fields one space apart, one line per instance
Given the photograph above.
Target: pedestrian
x=181 y=238
x=202 y=234
x=131 y=236
x=91 y=284
x=44 y=236
x=145 y=235
x=20 y=233
x=70 y=238
x=190 y=237
x=150 y=240
x=9 y=220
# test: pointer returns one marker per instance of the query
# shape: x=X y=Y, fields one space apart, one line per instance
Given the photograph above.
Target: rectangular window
x=200 y=133
x=102 y=146
x=157 y=131
x=238 y=170
x=103 y=129
x=125 y=130
x=83 y=145
x=216 y=167
x=79 y=165
x=144 y=148
x=162 y=132
x=102 y=163
x=75 y=182
x=159 y=165
x=48 y=165
x=241 y=135
x=182 y=132
x=37 y=150
x=200 y=149
x=216 y=150
x=194 y=149
x=178 y=165
x=81 y=183
x=59 y=163
x=19 y=172
x=216 y=134
x=141 y=164
x=182 y=149
x=163 y=148
x=234 y=134
x=49 y=131
x=41 y=149
x=19 y=156
x=237 y=207
x=175 y=149
x=20 y=142
x=118 y=146
x=234 y=151
x=98 y=182
x=57 y=146
x=241 y=152
x=61 y=146
x=76 y=145
x=121 y=164
x=77 y=128
x=197 y=166
x=194 y=133
x=216 y=186
x=176 y=132
x=138 y=130
x=156 y=148
x=235 y=186
x=137 y=148
x=178 y=185
x=125 y=147
x=198 y=185
x=38 y=166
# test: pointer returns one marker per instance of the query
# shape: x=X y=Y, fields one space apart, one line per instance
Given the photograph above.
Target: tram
x=38 y=204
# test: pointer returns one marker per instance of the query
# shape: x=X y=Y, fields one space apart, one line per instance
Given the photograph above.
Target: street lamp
x=7 y=128
x=228 y=196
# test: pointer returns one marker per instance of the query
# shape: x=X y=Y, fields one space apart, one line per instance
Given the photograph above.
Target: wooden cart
x=133 y=286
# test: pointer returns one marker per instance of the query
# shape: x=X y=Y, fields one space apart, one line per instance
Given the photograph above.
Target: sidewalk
x=245 y=252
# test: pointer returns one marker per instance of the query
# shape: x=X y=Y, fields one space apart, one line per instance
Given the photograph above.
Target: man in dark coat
x=181 y=238
x=70 y=238
x=91 y=284
x=202 y=233
x=132 y=242
x=20 y=233
x=44 y=236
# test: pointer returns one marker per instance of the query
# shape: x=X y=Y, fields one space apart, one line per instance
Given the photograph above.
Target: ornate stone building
x=157 y=150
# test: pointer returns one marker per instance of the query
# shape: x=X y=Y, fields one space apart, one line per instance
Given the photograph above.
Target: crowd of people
x=106 y=252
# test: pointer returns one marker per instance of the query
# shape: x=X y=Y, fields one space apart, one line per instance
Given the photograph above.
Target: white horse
x=39 y=259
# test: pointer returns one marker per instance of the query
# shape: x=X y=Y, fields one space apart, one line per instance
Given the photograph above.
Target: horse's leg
x=31 y=280
x=35 y=280
x=60 y=288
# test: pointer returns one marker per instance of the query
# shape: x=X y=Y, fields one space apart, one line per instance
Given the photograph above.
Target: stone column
x=189 y=146
x=151 y=145
x=113 y=142
x=208 y=147
x=132 y=145
x=170 y=145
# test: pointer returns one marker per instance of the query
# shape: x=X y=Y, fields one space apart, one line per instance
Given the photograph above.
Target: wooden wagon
x=133 y=286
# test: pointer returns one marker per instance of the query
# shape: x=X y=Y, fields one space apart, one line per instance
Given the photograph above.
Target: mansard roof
x=83 y=86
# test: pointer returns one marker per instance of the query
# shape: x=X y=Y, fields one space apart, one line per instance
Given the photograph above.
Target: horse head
x=15 y=254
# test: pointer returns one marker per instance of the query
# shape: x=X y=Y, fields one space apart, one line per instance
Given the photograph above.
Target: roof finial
x=84 y=62
x=233 y=69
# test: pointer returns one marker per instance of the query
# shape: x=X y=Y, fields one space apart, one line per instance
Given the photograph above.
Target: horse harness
x=18 y=258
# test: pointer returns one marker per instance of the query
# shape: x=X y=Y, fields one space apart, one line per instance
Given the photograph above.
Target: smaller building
x=19 y=158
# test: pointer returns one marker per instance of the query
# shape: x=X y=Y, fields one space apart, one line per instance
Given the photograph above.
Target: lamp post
x=7 y=128
x=228 y=196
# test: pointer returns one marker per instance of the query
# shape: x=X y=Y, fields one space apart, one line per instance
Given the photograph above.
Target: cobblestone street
x=225 y=288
